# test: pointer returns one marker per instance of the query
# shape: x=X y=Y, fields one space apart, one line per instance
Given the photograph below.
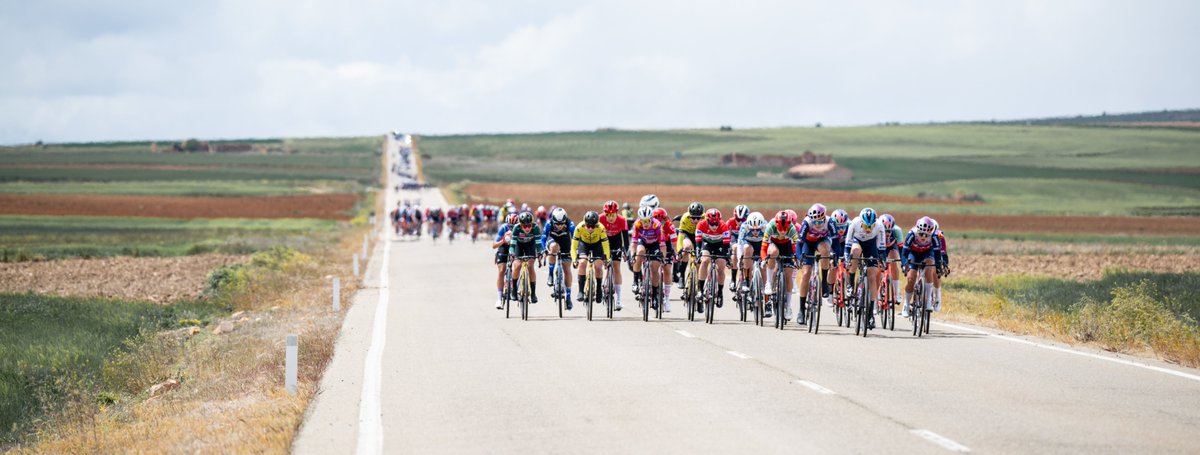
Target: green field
x=56 y=347
x=1016 y=169
x=180 y=187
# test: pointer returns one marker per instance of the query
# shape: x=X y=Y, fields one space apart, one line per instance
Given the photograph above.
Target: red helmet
x=512 y=218
x=791 y=215
x=611 y=207
x=713 y=216
x=660 y=214
x=782 y=221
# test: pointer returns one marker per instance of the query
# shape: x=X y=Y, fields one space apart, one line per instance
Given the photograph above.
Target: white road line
x=685 y=333
x=370 y=412
x=940 y=440
x=738 y=355
x=815 y=387
x=1072 y=351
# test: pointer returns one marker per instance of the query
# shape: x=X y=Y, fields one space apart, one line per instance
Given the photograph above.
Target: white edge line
x=1072 y=351
x=816 y=387
x=370 y=413
x=738 y=355
x=940 y=440
x=685 y=333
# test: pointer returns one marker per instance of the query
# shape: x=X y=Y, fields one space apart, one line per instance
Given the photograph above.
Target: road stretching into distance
x=426 y=364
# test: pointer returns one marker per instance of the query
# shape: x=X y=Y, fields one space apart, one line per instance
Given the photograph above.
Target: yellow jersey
x=687 y=229
x=589 y=236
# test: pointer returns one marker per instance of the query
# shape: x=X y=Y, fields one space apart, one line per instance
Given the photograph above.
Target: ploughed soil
x=1082 y=267
x=676 y=194
x=579 y=198
x=325 y=206
x=158 y=279
x=113 y=166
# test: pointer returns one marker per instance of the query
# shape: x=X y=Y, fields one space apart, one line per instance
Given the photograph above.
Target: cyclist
x=501 y=245
x=714 y=237
x=780 y=239
x=867 y=242
x=436 y=218
x=670 y=235
x=892 y=250
x=686 y=228
x=542 y=215
x=920 y=245
x=648 y=200
x=734 y=226
x=839 y=221
x=592 y=238
x=649 y=240
x=814 y=233
x=944 y=270
x=556 y=241
x=750 y=238
x=618 y=239
x=525 y=243
x=628 y=214
x=452 y=219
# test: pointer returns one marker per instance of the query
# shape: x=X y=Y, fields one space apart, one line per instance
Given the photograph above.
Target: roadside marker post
x=356 y=265
x=337 y=293
x=364 y=255
x=293 y=343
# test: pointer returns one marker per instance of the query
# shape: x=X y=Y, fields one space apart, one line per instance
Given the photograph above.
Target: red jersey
x=712 y=234
x=733 y=225
x=615 y=227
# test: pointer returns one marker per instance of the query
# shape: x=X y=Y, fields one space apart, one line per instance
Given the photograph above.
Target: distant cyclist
x=670 y=236
x=894 y=238
x=685 y=225
x=734 y=226
x=650 y=241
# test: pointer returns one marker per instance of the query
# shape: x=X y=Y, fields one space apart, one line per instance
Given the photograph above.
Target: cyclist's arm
x=607 y=249
x=540 y=246
x=575 y=247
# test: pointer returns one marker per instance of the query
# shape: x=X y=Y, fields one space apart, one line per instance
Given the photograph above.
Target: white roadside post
x=364 y=255
x=356 y=265
x=293 y=343
x=337 y=293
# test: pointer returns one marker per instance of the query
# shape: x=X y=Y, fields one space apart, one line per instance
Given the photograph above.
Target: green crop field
x=1015 y=168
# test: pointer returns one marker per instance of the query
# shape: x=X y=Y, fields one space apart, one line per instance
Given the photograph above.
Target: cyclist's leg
x=638 y=257
x=930 y=275
x=894 y=268
x=581 y=270
x=721 y=264
x=705 y=263
x=852 y=267
x=772 y=253
x=552 y=260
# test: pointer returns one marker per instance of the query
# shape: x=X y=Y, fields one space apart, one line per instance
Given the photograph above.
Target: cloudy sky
x=115 y=70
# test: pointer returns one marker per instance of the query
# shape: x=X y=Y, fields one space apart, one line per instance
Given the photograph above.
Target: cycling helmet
x=925 y=225
x=792 y=217
x=611 y=207
x=782 y=221
x=840 y=216
x=696 y=209
x=713 y=216
x=524 y=207
x=559 y=216
x=936 y=226
x=817 y=211
x=867 y=215
x=509 y=202
x=541 y=211
x=645 y=213
x=741 y=212
x=512 y=218
x=591 y=218
x=660 y=214
x=888 y=221
x=649 y=200
x=525 y=218
x=755 y=221
x=625 y=205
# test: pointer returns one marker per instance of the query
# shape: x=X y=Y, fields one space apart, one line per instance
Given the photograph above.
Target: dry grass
x=231 y=397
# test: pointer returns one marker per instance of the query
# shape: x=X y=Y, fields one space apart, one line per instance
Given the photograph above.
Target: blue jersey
x=504 y=228
x=747 y=235
x=559 y=234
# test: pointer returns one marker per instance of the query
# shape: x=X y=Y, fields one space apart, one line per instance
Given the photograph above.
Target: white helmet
x=756 y=221
x=559 y=215
x=649 y=200
x=741 y=211
x=645 y=212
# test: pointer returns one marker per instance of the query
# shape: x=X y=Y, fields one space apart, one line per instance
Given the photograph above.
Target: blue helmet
x=867 y=215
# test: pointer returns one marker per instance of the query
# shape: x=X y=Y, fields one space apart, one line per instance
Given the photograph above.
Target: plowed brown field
x=579 y=198
x=325 y=206
x=159 y=280
x=681 y=194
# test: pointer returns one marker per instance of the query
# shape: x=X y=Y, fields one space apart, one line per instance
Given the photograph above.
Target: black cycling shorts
x=653 y=252
x=526 y=249
x=716 y=249
x=596 y=250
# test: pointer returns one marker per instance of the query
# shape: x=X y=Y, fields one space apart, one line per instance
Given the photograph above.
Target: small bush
x=1135 y=319
x=226 y=280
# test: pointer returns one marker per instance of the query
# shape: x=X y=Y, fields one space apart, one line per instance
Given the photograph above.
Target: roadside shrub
x=226 y=280
x=1136 y=319
x=278 y=258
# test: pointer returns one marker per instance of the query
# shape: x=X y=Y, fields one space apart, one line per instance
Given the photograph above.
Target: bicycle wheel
x=589 y=294
x=755 y=296
x=914 y=313
x=647 y=299
x=558 y=290
x=814 y=304
x=658 y=301
x=925 y=323
x=609 y=297
x=524 y=283
x=690 y=293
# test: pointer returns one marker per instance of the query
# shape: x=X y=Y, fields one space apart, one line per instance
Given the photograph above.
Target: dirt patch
x=160 y=280
x=1065 y=225
x=679 y=195
x=110 y=167
x=325 y=206
x=1076 y=267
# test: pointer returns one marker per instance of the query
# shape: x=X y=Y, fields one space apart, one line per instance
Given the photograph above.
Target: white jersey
x=858 y=233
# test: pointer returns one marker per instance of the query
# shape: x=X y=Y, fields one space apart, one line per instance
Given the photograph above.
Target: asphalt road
x=454 y=375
